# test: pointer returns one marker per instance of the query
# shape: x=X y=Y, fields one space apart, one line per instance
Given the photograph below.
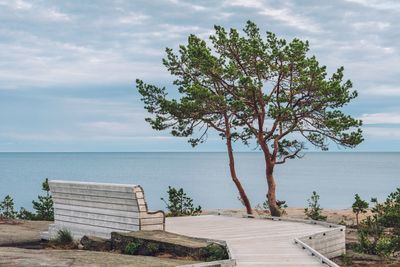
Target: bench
x=97 y=209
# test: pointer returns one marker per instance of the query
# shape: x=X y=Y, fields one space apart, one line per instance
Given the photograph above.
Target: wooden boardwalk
x=252 y=242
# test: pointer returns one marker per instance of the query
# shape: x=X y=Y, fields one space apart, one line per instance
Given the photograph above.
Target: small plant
x=347 y=260
x=132 y=248
x=25 y=214
x=359 y=206
x=314 y=210
x=179 y=204
x=280 y=203
x=152 y=248
x=44 y=205
x=216 y=252
x=63 y=237
x=7 y=208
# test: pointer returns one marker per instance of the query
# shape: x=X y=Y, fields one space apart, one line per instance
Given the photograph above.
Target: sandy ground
x=21 y=232
x=334 y=215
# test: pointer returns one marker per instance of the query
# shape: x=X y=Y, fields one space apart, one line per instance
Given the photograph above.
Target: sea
x=205 y=177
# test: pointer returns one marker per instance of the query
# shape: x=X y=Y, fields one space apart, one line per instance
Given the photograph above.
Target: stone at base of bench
x=77 y=232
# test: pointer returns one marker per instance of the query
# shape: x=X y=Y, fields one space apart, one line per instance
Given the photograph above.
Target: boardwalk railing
x=323 y=245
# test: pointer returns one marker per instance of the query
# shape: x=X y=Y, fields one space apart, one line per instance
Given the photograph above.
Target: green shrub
x=347 y=260
x=379 y=234
x=132 y=248
x=216 y=252
x=152 y=248
x=25 y=214
x=282 y=206
x=44 y=205
x=314 y=210
x=384 y=247
x=359 y=206
x=179 y=204
x=63 y=237
x=7 y=208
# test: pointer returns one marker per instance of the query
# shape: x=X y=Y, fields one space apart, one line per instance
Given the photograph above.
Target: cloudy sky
x=67 y=68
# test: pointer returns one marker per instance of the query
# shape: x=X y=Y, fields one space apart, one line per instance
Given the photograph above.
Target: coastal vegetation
x=359 y=206
x=314 y=209
x=379 y=233
x=44 y=205
x=7 y=208
x=63 y=238
x=179 y=204
x=44 y=210
x=250 y=88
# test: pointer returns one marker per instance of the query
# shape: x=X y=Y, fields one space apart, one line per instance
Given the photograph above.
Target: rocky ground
x=17 y=236
x=11 y=256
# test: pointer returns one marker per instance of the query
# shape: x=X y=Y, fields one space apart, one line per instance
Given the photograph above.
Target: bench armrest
x=152 y=220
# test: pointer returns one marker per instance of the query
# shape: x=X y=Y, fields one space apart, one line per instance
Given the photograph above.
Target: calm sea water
x=205 y=176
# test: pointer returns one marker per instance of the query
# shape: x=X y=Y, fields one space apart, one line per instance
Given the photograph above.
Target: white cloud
x=46 y=62
x=371 y=25
x=378 y=4
x=386 y=133
x=381 y=118
x=35 y=12
x=289 y=18
x=16 y=4
x=382 y=91
x=55 y=15
x=284 y=14
x=132 y=19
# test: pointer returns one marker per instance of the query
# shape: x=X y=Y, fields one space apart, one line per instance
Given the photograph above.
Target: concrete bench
x=97 y=209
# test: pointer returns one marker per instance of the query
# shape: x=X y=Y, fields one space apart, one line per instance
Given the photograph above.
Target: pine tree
x=359 y=206
x=44 y=205
x=7 y=208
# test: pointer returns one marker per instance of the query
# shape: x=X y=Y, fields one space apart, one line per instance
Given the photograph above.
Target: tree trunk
x=271 y=195
x=235 y=179
x=269 y=170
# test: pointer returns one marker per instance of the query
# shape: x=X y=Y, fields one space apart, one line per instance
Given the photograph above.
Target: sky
x=67 y=68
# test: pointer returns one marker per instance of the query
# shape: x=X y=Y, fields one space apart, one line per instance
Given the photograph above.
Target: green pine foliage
x=25 y=214
x=7 y=208
x=44 y=205
x=256 y=89
x=359 y=206
x=379 y=234
x=179 y=204
x=314 y=210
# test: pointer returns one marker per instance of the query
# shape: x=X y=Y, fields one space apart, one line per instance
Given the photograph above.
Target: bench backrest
x=87 y=208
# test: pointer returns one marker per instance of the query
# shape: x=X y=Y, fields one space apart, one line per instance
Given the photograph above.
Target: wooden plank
x=93 y=186
x=97 y=216
x=91 y=204
x=100 y=199
x=95 y=223
x=90 y=192
x=103 y=210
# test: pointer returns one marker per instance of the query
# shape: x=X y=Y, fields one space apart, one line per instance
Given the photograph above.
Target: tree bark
x=271 y=196
x=235 y=179
x=269 y=170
